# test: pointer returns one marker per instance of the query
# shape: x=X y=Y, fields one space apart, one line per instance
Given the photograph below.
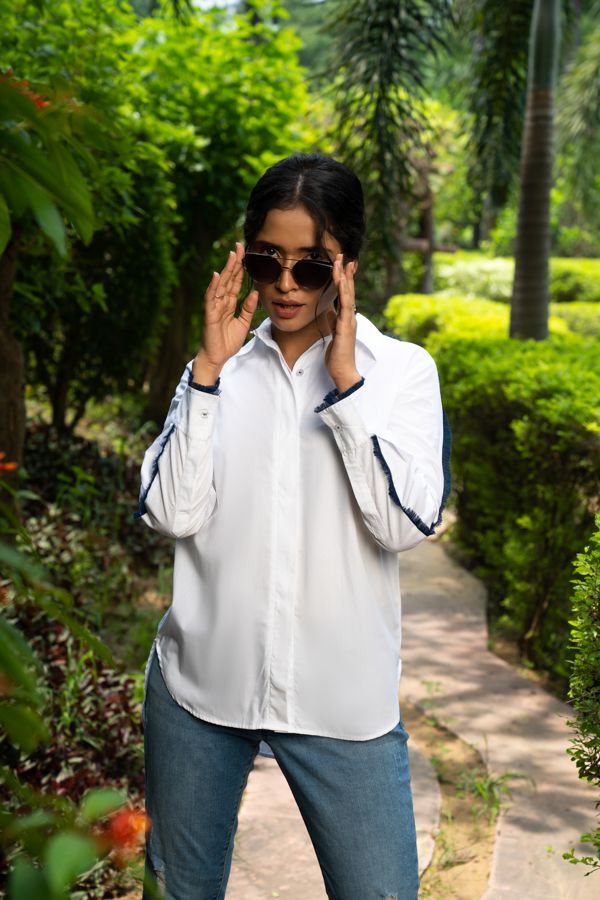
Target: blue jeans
x=354 y=797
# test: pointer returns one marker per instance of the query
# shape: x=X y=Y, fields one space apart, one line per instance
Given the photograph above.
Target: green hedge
x=526 y=458
x=474 y=274
x=584 y=690
x=583 y=318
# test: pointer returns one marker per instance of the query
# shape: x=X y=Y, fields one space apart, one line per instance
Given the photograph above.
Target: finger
x=249 y=308
x=346 y=294
x=337 y=269
x=211 y=290
x=226 y=273
x=237 y=273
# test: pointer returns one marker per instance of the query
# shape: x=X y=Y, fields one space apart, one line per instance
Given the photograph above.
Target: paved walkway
x=515 y=725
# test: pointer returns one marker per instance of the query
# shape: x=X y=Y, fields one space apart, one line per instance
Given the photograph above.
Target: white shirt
x=286 y=593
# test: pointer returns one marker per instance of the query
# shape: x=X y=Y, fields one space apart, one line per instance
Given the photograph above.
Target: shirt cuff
x=208 y=389
x=334 y=396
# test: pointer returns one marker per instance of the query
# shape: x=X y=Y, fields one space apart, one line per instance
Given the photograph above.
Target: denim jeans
x=354 y=797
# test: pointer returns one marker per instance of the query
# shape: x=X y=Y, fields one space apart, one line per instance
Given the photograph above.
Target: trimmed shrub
x=582 y=318
x=417 y=316
x=526 y=458
x=584 y=689
x=472 y=274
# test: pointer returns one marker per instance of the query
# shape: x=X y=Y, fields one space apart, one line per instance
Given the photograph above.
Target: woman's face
x=290 y=235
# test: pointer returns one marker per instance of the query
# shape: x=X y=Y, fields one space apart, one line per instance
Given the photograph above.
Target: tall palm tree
x=381 y=50
x=529 y=307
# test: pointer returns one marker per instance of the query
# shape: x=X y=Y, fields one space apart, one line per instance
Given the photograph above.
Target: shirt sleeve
x=400 y=477
x=177 y=495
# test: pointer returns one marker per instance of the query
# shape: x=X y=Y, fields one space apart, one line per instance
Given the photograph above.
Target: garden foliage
x=70 y=736
x=584 y=689
x=190 y=113
x=472 y=274
x=526 y=455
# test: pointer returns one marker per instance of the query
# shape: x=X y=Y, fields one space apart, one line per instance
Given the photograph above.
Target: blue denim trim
x=412 y=515
x=142 y=505
x=334 y=395
x=208 y=389
x=446 y=454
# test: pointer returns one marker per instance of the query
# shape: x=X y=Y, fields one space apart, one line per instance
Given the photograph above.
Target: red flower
x=22 y=85
x=124 y=834
x=6 y=466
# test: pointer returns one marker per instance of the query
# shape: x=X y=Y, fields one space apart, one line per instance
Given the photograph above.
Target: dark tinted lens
x=311 y=274
x=262 y=269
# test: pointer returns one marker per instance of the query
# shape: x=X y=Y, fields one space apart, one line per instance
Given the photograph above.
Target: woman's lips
x=287 y=310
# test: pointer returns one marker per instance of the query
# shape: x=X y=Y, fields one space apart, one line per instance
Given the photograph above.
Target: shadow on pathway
x=515 y=725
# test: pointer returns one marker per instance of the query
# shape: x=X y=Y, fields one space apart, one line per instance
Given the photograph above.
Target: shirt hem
x=214 y=720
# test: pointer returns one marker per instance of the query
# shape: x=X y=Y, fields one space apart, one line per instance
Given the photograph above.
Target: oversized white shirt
x=289 y=512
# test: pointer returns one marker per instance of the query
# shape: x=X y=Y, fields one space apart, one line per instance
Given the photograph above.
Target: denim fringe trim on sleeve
x=142 y=505
x=412 y=515
x=334 y=395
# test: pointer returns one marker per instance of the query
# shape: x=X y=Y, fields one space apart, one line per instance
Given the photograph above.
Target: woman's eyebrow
x=282 y=249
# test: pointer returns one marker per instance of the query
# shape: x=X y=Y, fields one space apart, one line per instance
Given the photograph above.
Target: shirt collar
x=366 y=334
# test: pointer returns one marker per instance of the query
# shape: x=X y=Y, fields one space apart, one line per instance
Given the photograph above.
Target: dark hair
x=329 y=191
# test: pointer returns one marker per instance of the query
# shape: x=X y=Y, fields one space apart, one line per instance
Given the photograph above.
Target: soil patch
x=461 y=863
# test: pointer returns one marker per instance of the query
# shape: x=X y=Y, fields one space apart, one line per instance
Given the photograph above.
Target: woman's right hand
x=224 y=332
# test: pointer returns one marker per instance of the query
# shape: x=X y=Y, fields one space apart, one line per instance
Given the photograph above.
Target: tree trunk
x=12 y=378
x=175 y=348
x=476 y=235
x=171 y=357
x=427 y=232
x=529 y=307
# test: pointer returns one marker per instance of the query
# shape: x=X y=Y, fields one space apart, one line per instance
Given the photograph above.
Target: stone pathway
x=516 y=726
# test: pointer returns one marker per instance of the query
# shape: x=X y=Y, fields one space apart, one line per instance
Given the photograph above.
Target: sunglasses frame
x=315 y=262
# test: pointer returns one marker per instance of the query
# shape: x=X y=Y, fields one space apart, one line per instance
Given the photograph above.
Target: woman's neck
x=294 y=343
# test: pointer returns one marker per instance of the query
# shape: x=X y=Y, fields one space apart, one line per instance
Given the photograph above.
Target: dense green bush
x=584 y=690
x=582 y=318
x=474 y=274
x=419 y=315
x=70 y=711
x=526 y=458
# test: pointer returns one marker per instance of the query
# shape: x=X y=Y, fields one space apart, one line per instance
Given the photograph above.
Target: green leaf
x=35 y=166
x=67 y=856
x=12 y=559
x=38 y=819
x=46 y=215
x=101 y=802
x=16 y=658
x=5 y=228
x=23 y=726
x=26 y=882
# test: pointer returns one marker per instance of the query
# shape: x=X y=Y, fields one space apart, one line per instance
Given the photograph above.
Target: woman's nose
x=286 y=281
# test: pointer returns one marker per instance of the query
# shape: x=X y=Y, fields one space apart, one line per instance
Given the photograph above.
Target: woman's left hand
x=340 y=358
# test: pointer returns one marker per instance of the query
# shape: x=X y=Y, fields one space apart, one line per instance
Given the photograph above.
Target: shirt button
x=300 y=372
x=204 y=414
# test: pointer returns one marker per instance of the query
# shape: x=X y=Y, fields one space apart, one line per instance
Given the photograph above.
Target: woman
x=291 y=470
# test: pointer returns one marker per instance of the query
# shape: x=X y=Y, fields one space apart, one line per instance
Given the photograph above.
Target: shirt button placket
x=286 y=483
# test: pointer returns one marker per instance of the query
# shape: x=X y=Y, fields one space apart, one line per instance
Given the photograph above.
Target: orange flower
x=124 y=834
x=22 y=85
x=6 y=466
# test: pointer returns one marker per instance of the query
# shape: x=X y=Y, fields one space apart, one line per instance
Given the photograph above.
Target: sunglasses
x=308 y=273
